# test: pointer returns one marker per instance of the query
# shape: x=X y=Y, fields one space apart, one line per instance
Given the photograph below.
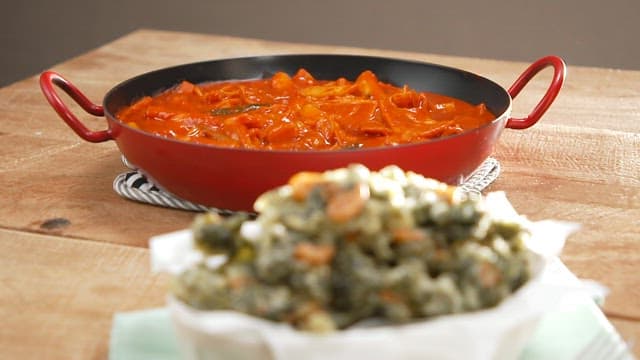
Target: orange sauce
x=301 y=113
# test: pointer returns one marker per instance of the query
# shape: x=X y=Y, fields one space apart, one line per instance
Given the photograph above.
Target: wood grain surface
x=59 y=294
x=74 y=251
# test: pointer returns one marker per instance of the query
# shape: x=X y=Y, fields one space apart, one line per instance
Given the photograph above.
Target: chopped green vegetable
x=237 y=109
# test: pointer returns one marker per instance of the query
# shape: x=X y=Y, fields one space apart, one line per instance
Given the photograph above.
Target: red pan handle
x=559 y=73
x=47 y=81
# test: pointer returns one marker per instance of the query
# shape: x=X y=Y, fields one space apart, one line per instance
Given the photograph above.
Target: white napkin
x=497 y=333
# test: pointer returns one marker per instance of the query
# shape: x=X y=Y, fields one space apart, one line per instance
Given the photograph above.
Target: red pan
x=231 y=178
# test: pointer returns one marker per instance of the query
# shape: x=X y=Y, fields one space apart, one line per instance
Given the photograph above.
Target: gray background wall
x=39 y=33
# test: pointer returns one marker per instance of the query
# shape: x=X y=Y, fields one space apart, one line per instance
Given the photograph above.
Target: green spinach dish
x=331 y=249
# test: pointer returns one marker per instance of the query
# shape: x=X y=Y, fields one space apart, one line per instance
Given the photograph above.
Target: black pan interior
x=418 y=75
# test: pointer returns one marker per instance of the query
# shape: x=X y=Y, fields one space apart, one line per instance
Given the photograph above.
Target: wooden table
x=74 y=252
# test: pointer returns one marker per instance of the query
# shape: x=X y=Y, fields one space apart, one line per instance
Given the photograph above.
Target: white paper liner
x=497 y=333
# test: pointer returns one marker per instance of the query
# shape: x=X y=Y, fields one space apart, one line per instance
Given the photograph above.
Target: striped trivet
x=135 y=186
